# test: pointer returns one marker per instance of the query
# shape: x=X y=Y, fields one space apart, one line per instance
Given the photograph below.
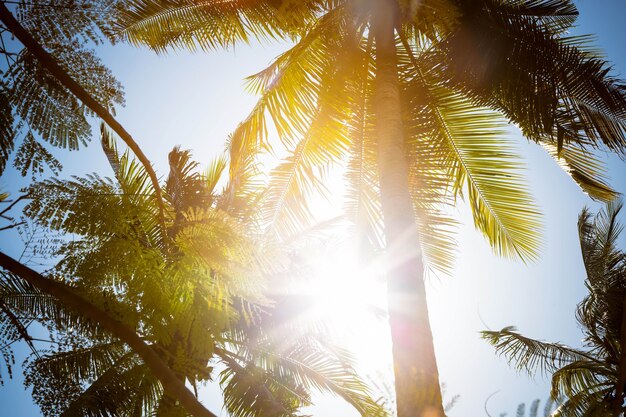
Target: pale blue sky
x=196 y=100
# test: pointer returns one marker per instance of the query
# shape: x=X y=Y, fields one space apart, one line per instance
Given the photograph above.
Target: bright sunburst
x=349 y=298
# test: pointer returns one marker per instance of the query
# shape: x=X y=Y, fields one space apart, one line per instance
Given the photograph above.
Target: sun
x=349 y=296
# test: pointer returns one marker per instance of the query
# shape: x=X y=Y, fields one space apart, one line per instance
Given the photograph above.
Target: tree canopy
x=159 y=283
x=415 y=96
x=591 y=381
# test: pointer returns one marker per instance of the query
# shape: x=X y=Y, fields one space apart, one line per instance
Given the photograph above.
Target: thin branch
x=13 y=203
x=50 y=63
x=11 y=226
x=66 y=295
x=20 y=328
x=9 y=344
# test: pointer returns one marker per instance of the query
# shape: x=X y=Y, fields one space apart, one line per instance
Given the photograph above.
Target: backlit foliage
x=586 y=379
x=194 y=292
x=465 y=69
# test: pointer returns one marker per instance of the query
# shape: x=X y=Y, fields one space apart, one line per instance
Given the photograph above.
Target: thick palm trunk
x=171 y=384
x=417 y=381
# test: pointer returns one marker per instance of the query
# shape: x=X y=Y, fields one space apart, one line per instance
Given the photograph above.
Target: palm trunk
x=416 y=377
x=171 y=384
x=618 y=401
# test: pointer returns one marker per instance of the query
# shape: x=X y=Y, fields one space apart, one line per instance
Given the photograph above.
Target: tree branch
x=50 y=64
x=11 y=226
x=172 y=385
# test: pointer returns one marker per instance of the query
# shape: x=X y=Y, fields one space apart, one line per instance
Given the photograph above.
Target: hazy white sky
x=196 y=100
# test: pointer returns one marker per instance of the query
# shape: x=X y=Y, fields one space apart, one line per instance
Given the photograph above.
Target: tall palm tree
x=591 y=380
x=415 y=95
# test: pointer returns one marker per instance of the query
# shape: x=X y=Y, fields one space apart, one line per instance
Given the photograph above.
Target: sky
x=196 y=100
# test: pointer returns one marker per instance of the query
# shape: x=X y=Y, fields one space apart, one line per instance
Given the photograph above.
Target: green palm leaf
x=578 y=376
x=486 y=172
x=532 y=355
x=209 y=24
x=584 y=168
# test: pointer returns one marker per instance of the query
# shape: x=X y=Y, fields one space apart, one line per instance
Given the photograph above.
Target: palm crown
x=415 y=95
x=591 y=381
x=456 y=60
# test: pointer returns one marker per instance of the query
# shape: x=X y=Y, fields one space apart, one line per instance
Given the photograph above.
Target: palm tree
x=591 y=380
x=186 y=299
x=59 y=77
x=414 y=94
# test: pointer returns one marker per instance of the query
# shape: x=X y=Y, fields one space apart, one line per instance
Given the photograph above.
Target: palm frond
x=213 y=173
x=82 y=363
x=362 y=205
x=294 y=87
x=488 y=171
x=109 y=147
x=598 y=238
x=554 y=16
x=107 y=394
x=589 y=403
x=292 y=182
x=531 y=355
x=244 y=186
x=250 y=391
x=308 y=93
x=550 y=86
x=571 y=379
x=466 y=142
x=28 y=302
x=584 y=168
x=313 y=365
x=362 y=200
x=210 y=25
x=99 y=368
x=147 y=390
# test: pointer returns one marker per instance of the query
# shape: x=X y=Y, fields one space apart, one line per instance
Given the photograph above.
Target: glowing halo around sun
x=350 y=297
